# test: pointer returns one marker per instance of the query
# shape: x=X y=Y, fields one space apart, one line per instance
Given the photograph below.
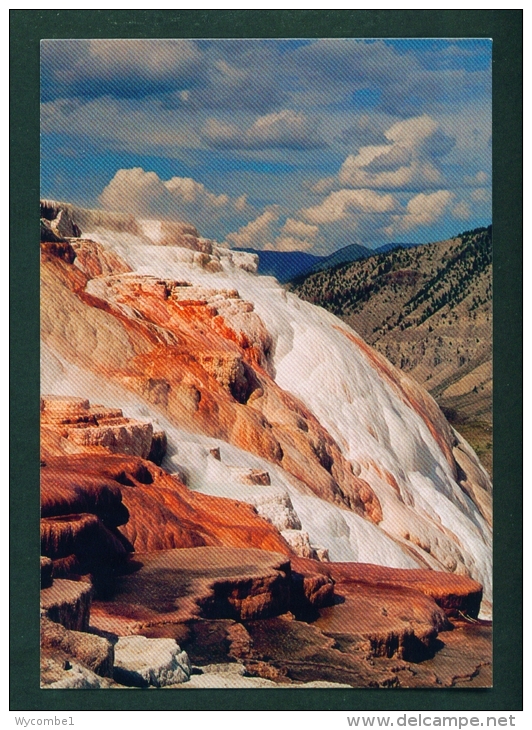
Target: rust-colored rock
x=68 y=603
x=208 y=352
x=386 y=621
x=84 y=540
x=159 y=444
x=95 y=260
x=60 y=249
x=154 y=510
x=71 y=425
x=456 y=594
x=176 y=586
x=46 y=572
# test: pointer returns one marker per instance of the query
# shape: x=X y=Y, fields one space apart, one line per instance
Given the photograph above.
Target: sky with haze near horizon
x=294 y=144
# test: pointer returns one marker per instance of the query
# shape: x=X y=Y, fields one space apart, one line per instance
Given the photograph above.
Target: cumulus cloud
x=402 y=72
x=145 y=195
x=426 y=208
x=408 y=160
x=258 y=233
x=342 y=203
x=481 y=195
x=406 y=117
x=481 y=178
x=265 y=233
x=284 y=129
x=462 y=210
x=293 y=227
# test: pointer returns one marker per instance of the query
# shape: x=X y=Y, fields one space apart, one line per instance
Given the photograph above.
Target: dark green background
x=27 y=28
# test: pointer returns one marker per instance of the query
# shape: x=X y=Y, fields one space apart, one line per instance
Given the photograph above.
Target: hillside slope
x=428 y=310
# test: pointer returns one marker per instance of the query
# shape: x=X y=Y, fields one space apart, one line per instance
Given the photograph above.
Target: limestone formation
x=142 y=662
x=58 y=672
x=217 y=381
x=457 y=595
x=239 y=590
x=95 y=260
x=175 y=586
x=83 y=426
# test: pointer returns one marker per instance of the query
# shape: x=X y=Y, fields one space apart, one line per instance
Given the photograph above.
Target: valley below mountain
x=237 y=490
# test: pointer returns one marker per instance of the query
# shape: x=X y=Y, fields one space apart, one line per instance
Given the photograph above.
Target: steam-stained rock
x=58 y=672
x=457 y=595
x=155 y=511
x=345 y=425
x=175 y=586
x=216 y=381
x=95 y=260
x=299 y=541
x=80 y=544
x=59 y=220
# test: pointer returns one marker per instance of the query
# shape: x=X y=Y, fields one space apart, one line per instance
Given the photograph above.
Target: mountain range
x=290 y=265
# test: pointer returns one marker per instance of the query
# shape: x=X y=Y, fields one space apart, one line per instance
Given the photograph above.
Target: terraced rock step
x=176 y=586
x=458 y=595
x=67 y=602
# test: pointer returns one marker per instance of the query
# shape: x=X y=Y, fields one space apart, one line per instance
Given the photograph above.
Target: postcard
x=266 y=363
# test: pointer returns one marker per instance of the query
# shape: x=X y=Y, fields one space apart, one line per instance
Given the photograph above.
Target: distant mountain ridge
x=427 y=309
x=291 y=265
x=284 y=265
x=354 y=252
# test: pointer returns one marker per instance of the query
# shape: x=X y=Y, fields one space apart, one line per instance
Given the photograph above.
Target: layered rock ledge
x=178 y=586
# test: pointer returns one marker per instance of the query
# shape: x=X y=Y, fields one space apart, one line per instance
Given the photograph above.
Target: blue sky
x=275 y=144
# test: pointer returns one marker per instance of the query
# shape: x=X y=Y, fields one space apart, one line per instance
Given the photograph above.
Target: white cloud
x=481 y=195
x=284 y=129
x=481 y=178
x=462 y=210
x=324 y=185
x=258 y=233
x=411 y=158
x=123 y=68
x=343 y=203
x=135 y=125
x=424 y=209
x=293 y=227
x=144 y=194
x=409 y=132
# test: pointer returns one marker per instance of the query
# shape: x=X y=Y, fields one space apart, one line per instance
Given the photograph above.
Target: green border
x=505 y=28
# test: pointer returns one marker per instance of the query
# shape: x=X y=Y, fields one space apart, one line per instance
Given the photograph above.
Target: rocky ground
x=121 y=609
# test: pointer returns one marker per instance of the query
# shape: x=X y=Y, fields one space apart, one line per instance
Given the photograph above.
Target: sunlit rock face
x=226 y=359
x=101 y=498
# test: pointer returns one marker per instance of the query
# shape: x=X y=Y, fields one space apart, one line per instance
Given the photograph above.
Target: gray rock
x=142 y=662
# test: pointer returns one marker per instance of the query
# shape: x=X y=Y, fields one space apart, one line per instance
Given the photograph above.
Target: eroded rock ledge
x=168 y=564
